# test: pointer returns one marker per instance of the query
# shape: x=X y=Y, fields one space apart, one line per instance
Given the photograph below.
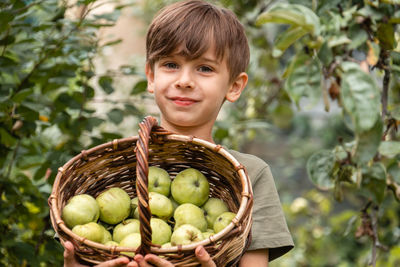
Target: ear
x=237 y=87
x=150 y=78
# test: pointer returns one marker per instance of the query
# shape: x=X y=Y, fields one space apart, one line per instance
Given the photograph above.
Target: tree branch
x=386 y=81
x=375 y=239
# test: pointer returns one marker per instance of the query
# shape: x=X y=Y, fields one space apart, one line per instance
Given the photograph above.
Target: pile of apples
x=182 y=212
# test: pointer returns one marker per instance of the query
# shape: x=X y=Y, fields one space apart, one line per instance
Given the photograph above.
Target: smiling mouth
x=183 y=101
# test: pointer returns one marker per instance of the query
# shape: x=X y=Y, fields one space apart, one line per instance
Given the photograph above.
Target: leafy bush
x=46 y=82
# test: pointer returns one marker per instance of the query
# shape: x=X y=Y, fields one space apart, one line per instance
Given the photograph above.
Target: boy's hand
x=204 y=258
x=152 y=260
x=70 y=260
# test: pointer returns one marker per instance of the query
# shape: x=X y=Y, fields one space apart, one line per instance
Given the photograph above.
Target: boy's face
x=190 y=93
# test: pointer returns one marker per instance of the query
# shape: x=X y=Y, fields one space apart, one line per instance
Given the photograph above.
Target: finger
x=132 y=264
x=203 y=257
x=140 y=261
x=69 y=257
x=115 y=262
x=157 y=261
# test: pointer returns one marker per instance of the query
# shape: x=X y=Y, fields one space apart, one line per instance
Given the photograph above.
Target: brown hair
x=193 y=26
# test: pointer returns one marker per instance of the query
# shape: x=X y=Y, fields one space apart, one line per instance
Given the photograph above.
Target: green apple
x=161 y=231
x=160 y=205
x=106 y=235
x=223 y=220
x=80 y=209
x=111 y=243
x=91 y=231
x=185 y=235
x=159 y=181
x=115 y=205
x=190 y=186
x=189 y=213
x=174 y=203
x=108 y=227
x=212 y=209
x=166 y=245
x=132 y=241
x=134 y=205
x=136 y=214
x=207 y=234
x=125 y=228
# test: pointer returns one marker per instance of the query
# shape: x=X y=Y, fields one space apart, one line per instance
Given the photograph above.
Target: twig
x=28 y=6
x=375 y=238
x=386 y=80
x=14 y=155
x=385 y=91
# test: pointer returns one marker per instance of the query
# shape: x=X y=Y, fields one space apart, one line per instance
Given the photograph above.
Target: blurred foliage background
x=321 y=107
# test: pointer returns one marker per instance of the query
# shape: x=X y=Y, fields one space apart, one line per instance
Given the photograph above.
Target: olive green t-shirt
x=269 y=229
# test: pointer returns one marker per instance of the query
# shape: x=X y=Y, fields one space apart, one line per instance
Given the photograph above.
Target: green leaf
x=30 y=161
x=325 y=54
x=360 y=97
x=27 y=112
x=7 y=61
x=293 y=14
x=41 y=171
x=221 y=133
x=394 y=97
x=392 y=2
x=139 y=87
x=111 y=43
x=338 y=40
x=21 y=95
x=25 y=251
x=5 y=18
x=286 y=39
x=92 y=122
x=110 y=136
x=116 y=115
x=385 y=34
x=373 y=183
x=367 y=143
x=105 y=83
x=389 y=148
x=393 y=170
x=85 y=2
x=110 y=16
x=319 y=168
x=6 y=138
x=7 y=40
x=304 y=79
x=358 y=37
x=130 y=109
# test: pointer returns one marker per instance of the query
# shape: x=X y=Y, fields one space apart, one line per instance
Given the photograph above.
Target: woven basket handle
x=146 y=127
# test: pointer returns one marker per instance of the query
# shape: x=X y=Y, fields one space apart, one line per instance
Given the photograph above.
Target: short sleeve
x=269 y=228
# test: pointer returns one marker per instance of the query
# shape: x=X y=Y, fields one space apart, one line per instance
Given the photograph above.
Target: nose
x=184 y=80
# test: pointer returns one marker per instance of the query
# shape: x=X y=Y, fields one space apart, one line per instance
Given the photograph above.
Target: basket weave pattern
x=124 y=163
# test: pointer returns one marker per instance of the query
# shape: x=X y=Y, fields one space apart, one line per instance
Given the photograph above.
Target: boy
x=197 y=55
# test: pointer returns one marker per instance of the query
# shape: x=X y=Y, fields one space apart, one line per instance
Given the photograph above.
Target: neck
x=202 y=132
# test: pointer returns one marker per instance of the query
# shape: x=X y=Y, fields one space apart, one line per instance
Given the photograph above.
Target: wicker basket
x=124 y=163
